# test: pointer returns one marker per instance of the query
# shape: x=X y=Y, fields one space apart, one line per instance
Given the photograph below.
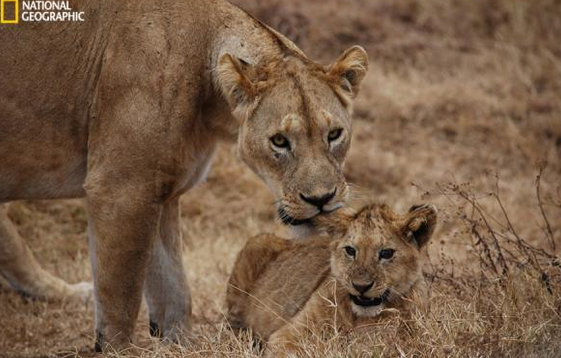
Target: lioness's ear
x=349 y=70
x=238 y=89
x=335 y=223
x=419 y=223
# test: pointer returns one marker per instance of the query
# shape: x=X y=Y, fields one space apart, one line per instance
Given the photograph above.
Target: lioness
x=126 y=109
x=371 y=261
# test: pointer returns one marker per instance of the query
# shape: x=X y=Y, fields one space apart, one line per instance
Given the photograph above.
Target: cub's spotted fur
x=283 y=289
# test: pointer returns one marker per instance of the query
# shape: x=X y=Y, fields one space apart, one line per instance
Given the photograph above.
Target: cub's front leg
x=252 y=260
x=320 y=313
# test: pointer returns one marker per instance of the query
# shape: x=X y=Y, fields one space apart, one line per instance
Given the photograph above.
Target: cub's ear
x=349 y=70
x=335 y=223
x=419 y=224
x=234 y=80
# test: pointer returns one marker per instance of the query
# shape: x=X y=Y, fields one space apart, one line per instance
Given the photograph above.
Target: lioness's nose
x=362 y=288
x=319 y=201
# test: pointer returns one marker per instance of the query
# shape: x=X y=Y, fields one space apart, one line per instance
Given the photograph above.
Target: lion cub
x=283 y=289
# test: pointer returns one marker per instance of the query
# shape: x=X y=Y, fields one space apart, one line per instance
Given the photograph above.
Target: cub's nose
x=362 y=288
x=318 y=201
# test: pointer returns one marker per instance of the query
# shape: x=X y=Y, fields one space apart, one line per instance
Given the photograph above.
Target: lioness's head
x=295 y=126
x=376 y=255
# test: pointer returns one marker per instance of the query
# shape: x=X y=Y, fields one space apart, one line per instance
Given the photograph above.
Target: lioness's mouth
x=367 y=301
x=289 y=220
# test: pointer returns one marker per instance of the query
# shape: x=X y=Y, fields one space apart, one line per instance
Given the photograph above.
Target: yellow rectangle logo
x=15 y=18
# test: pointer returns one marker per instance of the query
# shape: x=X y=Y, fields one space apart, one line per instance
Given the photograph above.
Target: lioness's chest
x=196 y=168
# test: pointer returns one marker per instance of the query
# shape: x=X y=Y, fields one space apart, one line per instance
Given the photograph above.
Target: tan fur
x=284 y=290
x=126 y=109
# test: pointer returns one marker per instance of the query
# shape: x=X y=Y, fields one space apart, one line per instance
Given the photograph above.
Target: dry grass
x=460 y=93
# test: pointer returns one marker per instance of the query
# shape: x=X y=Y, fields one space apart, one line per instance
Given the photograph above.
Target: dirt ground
x=458 y=94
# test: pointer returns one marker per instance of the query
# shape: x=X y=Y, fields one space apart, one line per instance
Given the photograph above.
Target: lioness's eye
x=334 y=134
x=350 y=251
x=386 y=254
x=280 y=141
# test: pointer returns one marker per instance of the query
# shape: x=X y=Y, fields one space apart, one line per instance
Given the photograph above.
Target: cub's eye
x=334 y=134
x=386 y=254
x=280 y=141
x=350 y=251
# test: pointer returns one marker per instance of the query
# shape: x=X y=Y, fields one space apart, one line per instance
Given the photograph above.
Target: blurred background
x=461 y=107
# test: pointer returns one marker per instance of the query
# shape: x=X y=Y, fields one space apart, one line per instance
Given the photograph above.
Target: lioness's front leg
x=166 y=289
x=147 y=102
x=123 y=226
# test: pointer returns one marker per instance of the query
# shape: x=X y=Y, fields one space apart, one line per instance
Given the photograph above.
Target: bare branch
x=540 y=204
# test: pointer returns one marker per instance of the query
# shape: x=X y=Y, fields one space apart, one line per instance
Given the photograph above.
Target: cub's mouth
x=368 y=302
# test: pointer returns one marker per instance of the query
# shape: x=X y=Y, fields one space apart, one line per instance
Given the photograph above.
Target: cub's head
x=295 y=126
x=376 y=255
